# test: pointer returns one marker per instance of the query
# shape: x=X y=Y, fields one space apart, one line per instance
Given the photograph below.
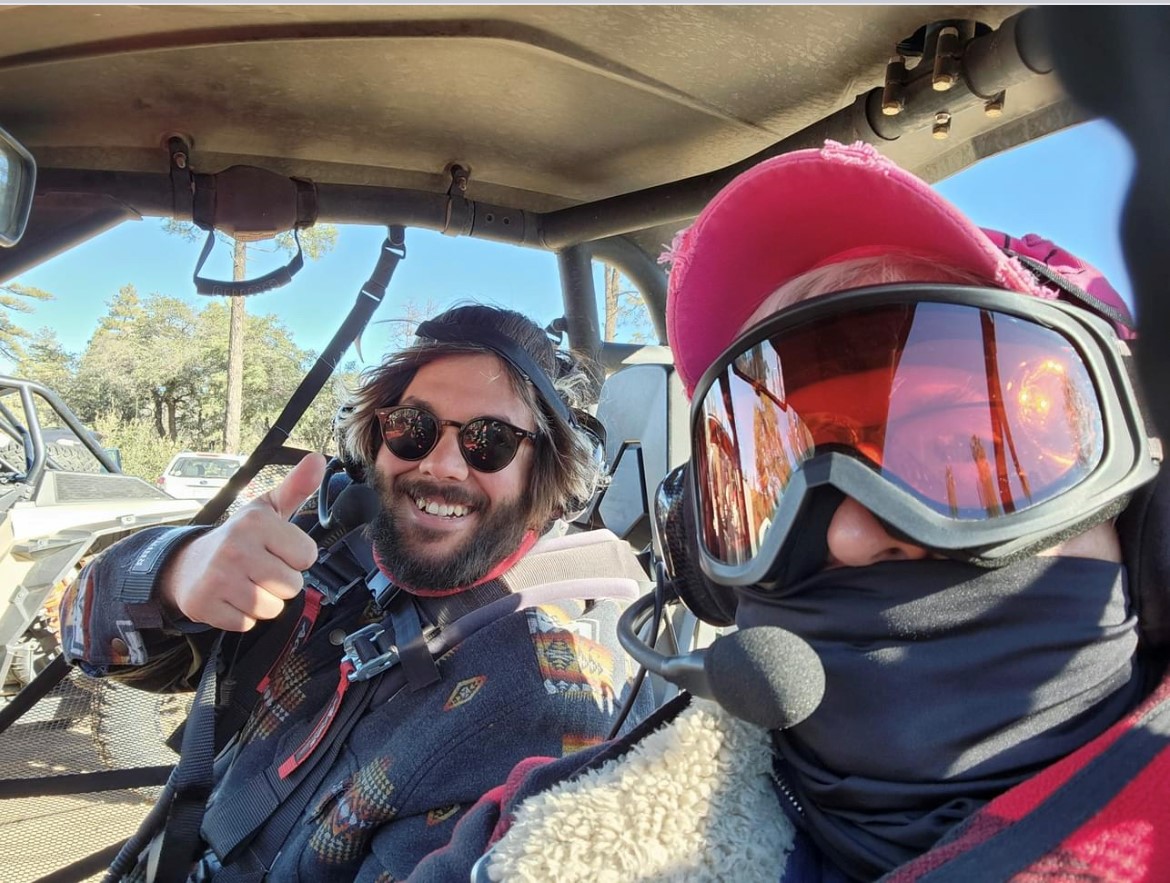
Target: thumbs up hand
x=246 y=569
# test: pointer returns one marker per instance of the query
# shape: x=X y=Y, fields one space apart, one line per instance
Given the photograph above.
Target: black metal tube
x=991 y=63
x=641 y=269
x=34 y=691
x=83 y=868
x=36 y=246
x=580 y=297
x=1017 y=50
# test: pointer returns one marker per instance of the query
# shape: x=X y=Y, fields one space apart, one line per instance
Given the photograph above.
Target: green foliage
x=143 y=453
x=316 y=241
x=144 y=360
x=185 y=230
x=14 y=298
x=45 y=361
x=153 y=379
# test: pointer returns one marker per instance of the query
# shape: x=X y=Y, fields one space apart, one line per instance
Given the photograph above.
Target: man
x=468 y=439
x=914 y=447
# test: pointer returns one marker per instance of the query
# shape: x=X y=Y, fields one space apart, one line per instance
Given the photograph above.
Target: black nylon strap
x=1015 y=849
x=244 y=287
x=267 y=806
x=340 y=568
x=368 y=300
x=413 y=652
x=34 y=691
x=135 y=584
x=441 y=612
x=238 y=694
x=85 y=783
x=504 y=346
x=192 y=780
x=1068 y=287
x=272 y=836
x=235 y=825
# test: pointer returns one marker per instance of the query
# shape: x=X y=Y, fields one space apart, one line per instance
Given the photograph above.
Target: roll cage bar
x=984 y=66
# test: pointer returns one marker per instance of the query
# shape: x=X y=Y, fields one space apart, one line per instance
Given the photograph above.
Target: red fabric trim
x=1127 y=839
x=506 y=793
x=303 y=629
x=313 y=739
x=526 y=544
x=1021 y=800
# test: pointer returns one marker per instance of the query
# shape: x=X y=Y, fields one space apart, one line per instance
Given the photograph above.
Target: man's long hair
x=562 y=467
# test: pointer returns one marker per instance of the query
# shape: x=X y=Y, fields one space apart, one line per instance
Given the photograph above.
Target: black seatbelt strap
x=248 y=828
x=236 y=826
x=336 y=571
x=368 y=300
x=417 y=662
x=244 y=685
x=343 y=566
x=1120 y=315
x=192 y=780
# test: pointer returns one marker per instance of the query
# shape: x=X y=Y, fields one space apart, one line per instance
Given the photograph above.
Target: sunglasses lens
x=409 y=433
x=488 y=445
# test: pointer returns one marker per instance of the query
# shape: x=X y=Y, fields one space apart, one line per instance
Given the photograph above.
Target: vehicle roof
x=549 y=107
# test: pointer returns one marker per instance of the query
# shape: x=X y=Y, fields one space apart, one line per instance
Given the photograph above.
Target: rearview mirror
x=18 y=180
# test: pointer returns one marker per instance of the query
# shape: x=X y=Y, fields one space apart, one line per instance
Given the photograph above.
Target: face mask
x=946 y=684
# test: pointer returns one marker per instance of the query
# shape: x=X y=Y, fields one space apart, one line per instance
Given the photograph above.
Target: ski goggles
x=974 y=422
x=487 y=444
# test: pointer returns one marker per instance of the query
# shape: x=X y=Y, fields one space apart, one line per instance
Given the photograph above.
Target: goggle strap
x=1075 y=291
x=1133 y=372
x=1098 y=516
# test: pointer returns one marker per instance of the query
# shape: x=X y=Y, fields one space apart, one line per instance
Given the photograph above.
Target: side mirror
x=18 y=180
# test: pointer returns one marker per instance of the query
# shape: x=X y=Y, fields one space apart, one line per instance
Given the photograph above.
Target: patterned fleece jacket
x=690 y=796
x=547 y=680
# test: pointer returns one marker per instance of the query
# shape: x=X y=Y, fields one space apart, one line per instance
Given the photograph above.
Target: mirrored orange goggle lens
x=977 y=414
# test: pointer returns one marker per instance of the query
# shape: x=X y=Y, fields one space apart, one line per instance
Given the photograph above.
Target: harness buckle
x=368 y=655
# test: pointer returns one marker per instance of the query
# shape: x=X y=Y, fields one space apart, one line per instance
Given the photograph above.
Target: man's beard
x=501 y=528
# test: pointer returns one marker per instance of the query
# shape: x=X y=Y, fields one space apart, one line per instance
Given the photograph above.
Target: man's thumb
x=298 y=485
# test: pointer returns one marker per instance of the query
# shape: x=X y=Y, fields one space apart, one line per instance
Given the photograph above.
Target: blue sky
x=1068 y=187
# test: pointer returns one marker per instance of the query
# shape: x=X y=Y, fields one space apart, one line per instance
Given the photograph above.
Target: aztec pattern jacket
x=546 y=680
x=690 y=796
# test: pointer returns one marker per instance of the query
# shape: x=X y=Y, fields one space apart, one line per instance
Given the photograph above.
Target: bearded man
x=470 y=440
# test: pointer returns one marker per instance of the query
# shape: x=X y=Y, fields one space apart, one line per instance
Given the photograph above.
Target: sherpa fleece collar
x=692 y=801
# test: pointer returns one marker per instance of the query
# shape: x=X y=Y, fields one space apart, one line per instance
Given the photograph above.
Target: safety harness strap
x=247 y=829
x=192 y=779
x=232 y=822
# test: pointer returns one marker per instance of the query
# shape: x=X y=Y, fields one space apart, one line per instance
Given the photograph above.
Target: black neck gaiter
x=946 y=684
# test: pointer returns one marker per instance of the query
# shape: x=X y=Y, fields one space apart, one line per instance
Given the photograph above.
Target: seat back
x=644 y=411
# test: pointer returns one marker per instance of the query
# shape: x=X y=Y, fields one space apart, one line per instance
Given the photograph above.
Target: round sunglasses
x=487 y=444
